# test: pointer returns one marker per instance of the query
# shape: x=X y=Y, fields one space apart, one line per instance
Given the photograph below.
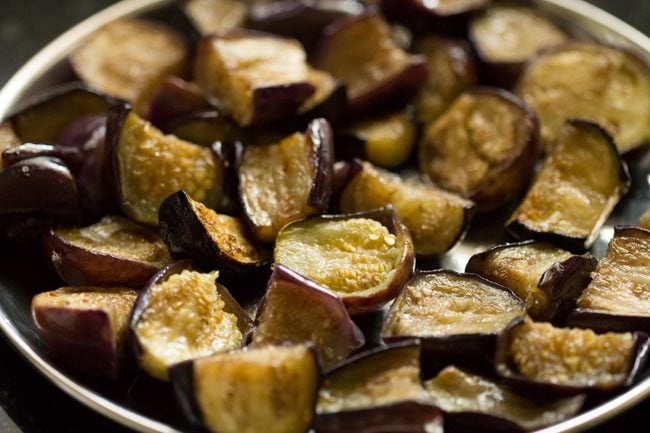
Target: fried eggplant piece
x=287 y=181
x=296 y=310
x=149 y=166
x=175 y=98
x=436 y=219
x=449 y=16
x=276 y=390
x=644 y=220
x=254 y=77
x=210 y=16
x=473 y=403
x=72 y=157
x=329 y=99
x=484 y=147
x=360 y=52
x=538 y=357
x=8 y=140
x=364 y=258
x=129 y=58
x=86 y=327
x=548 y=279
x=111 y=252
x=206 y=128
x=183 y=314
x=584 y=80
x=618 y=297
x=575 y=190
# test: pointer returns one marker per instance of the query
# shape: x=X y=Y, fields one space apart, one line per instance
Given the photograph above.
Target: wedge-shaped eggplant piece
x=484 y=147
x=449 y=16
x=175 y=98
x=86 y=327
x=181 y=315
x=8 y=140
x=474 y=403
x=210 y=16
x=149 y=166
x=111 y=252
x=575 y=190
x=255 y=77
x=547 y=278
x=287 y=181
x=206 y=128
x=270 y=389
x=191 y=230
x=360 y=52
x=297 y=310
x=583 y=80
x=564 y=361
x=452 y=71
x=644 y=220
x=129 y=58
x=455 y=315
x=365 y=258
x=618 y=297
x=505 y=36
x=436 y=219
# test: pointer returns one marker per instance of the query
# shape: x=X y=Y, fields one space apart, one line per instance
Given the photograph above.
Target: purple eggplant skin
x=343 y=172
x=182 y=379
x=405 y=417
x=420 y=18
x=206 y=127
x=72 y=157
x=320 y=133
x=175 y=98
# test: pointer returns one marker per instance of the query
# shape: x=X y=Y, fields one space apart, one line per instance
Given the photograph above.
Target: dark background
x=28 y=402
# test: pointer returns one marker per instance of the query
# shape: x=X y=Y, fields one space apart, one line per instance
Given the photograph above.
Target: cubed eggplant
x=584 y=80
x=365 y=258
x=149 y=166
x=173 y=99
x=548 y=279
x=269 y=389
x=182 y=314
x=644 y=220
x=86 y=327
x=111 y=252
x=456 y=316
x=191 y=230
x=329 y=99
x=448 y=16
x=8 y=140
x=618 y=297
x=484 y=147
x=129 y=58
x=206 y=128
x=539 y=358
x=576 y=188
x=255 y=77
x=287 y=181
x=360 y=52
x=506 y=35
x=452 y=72
x=475 y=403
x=435 y=219
x=296 y=310
x=210 y=16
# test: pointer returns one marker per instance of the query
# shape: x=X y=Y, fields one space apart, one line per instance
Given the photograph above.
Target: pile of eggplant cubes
x=240 y=211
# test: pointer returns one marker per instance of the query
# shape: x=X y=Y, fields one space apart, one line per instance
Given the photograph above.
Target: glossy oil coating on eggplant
x=484 y=147
x=479 y=403
x=618 y=297
x=360 y=52
x=547 y=278
x=86 y=327
x=606 y=85
x=270 y=389
x=129 y=58
x=575 y=190
x=435 y=219
x=297 y=310
x=287 y=181
x=210 y=16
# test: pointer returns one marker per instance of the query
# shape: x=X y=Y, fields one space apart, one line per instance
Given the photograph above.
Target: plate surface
x=148 y=406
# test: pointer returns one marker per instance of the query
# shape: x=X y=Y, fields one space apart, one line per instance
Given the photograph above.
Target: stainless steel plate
x=146 y=405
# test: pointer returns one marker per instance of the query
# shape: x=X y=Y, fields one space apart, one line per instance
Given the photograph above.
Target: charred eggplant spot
x=210 y=16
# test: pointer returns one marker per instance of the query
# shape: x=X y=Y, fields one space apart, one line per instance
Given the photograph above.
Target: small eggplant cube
x=175 y=98
x=210 y=16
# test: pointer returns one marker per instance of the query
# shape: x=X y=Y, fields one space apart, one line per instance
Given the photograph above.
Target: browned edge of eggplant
x=420 y=18
x=572 y=243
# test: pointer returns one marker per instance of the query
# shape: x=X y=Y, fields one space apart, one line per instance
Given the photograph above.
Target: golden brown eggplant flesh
x=360 y=52
x=86 y=327
x=295 y=310
x=605 y=85
x=210 y=16
x=364 y=258
x=484 y=147
x=644 y=220
x=182 y=314
x=175 y=98
x=575 y=190
x=541 y=359
x=617 y=299
x=423 y=16
x=112 y=252
x=287 y=181
x=548 y=279
x=436 y=219
x=269 y=389
x=472 y=403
